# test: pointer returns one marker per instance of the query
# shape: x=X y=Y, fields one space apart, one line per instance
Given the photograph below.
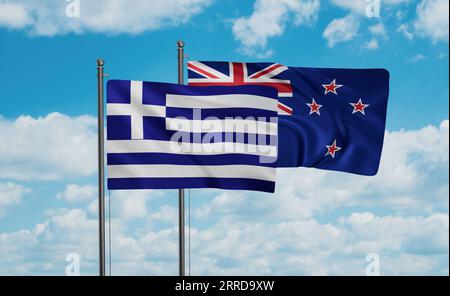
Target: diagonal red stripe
x=270 y=69
x=190 y=66
x=285 y=108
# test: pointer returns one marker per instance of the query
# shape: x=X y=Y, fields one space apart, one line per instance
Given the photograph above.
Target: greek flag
x=169 y=136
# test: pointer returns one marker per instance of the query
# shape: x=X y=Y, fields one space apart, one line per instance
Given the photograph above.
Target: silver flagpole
x=101 y=168
x=180 y=47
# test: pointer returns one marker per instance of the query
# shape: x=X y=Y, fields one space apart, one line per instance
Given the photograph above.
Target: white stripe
x=137 y=125
x=221 y=101
x=149 y=146
x=208 y=69
x=251 y=126
x=282 y=112
x=263 y=79
x=264 y=69
x=143 y=110
x=269 y=74
x=185 y=171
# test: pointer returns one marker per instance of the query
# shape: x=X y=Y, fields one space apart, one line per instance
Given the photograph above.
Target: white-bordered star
x=359 y=107
x=332 y=149
x=314 y=107
x=331 y=87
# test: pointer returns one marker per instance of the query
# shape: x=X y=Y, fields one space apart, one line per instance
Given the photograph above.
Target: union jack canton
x=231 y=74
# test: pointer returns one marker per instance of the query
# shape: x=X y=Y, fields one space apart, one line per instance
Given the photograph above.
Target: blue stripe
x=119 y=128
x=118 y=91
x=178 y=183
x=182 y=159
x=221 y=113
x=155 y=92
x=266 y=140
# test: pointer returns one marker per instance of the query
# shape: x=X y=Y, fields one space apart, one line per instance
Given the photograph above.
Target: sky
x=317 y=222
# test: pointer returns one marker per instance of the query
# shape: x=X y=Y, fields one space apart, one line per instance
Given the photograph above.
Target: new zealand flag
x=331 y=119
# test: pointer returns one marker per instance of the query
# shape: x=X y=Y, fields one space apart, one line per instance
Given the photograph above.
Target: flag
x=332 y=119
x=169 y=136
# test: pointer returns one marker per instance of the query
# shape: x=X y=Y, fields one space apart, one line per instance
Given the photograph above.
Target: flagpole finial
x=100 y=62
x=180 y=43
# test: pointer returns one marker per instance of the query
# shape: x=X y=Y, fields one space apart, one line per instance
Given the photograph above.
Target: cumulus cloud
x=372 y=44
x=234 y=246
x=269 y=19
x=378 y=29
x=417 y=58
x=48 y=18
x=132 y=204
x=413 y=179
x=13 y=16
x=43 y=248
x=359 y=6
x=10 y=194
x=405 y=221
x=50 y=147
x=77 y=193
x=405 y=31
x=309 y=247
x=432 y=19
x=357 y=15
x=341 y=30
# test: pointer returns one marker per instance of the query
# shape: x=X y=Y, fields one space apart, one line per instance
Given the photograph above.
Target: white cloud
x=413 y=179
x=50 y=147
x=404 y=29
x=341 y=30
x=77 y=193
x=269 y=19
x=417 y=58
x=432 y=19
x=10 y=194
x=241 y=233
x=49 y=18
x=235 y=246
x=359 y=6
x=372 y=44
x=130 y=204
x=303 y=247
x=43 y=248
x=378 y=30
x=166 y=214
x=13 y=16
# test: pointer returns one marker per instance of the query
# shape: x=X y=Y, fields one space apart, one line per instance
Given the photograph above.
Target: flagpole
x=101 y=167
x=181 y=220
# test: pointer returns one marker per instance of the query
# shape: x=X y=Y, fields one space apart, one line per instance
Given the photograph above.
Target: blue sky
x=48 y=161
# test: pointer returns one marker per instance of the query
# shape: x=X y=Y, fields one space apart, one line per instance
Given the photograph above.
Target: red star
x=359 y=107
x=332 y=149
x=314 y=107
x=332 y=87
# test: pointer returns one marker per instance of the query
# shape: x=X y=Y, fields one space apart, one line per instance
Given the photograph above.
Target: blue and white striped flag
x=169 y=136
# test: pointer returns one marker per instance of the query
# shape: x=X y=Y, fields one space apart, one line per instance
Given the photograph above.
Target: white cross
x=136 y=109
